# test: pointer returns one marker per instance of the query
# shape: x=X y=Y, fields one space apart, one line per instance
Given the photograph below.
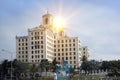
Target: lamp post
x=11 y=60
x=79 y=70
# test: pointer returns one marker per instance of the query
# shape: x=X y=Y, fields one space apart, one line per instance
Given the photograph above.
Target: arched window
x=46 y=20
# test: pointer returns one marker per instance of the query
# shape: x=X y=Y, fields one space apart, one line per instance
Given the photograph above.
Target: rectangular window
x=38 y=42
x=74 y=62
x=66 y=54
x=32 y=56
x=66 y=58
x=31 y=33
x=74 y=53
x=73 y=40
x=73 y=44
x=19 y=40
x=22 y=52
x=38 y=33
x=74 y=57
x=41 y=42
x=41 y=56
x=58 y=58
x=58 y=49
x=69 y=40
x=41 y=51
x=38 y=56
x=35 y=37
x=35 y=47
x=83 y=48
x=66 y=45
x=41 y=46
x=66 y=49
x=22 y=48
x=32 y=43
x=38 y=46
x=41 y=32
x=38 y=51
x=31 y=38
x=41 y=37
x=19 y=48
x=58 y=45
x=35 y=42
x=66 y=40
x=35 y=33
x=35 y=51
x=62 y=58
x=74 y=49
x=32 y=47
x=58 y=54
x=70 y=45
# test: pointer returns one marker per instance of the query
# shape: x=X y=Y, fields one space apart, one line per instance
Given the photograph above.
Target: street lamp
x=79 y=70
x=11 y=60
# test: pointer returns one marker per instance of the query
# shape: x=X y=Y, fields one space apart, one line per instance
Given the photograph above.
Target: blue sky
x=95 y=22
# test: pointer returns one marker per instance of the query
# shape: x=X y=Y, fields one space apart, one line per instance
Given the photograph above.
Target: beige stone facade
x=85 y=51
x=45 y=42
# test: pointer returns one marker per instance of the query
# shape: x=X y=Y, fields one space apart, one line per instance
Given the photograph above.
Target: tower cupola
x=47 y=19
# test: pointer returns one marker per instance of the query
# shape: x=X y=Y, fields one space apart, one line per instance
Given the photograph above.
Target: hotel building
x=47 y=42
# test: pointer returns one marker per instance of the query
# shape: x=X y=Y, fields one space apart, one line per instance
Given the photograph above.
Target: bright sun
x=59 y=22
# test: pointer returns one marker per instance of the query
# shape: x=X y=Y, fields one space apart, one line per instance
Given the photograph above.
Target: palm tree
x=18 y=68
x=33 y=69
x=44 y=65
x=54 y=62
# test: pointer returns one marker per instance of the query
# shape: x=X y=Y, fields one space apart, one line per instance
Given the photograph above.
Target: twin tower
x=49 y=22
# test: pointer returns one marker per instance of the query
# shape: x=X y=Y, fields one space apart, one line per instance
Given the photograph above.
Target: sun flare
x=59 y=22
